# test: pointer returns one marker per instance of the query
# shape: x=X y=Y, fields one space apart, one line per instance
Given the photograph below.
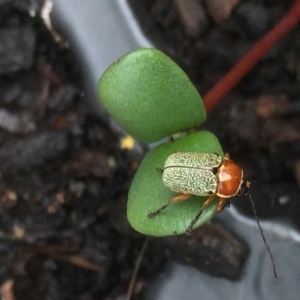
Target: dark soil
x=64 y=184
x=258 y=123
x=64 y=178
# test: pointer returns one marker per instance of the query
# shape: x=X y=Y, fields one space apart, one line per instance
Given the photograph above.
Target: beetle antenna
x=262 y=234
x=270 y=191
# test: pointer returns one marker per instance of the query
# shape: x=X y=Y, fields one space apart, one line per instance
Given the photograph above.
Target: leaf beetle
x=205 y=174
x=202 y=174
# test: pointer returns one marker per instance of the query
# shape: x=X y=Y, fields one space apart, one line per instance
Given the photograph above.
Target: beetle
x=202 y=174
x=206 y=174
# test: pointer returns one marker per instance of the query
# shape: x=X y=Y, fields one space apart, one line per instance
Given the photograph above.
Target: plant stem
x=248 y=61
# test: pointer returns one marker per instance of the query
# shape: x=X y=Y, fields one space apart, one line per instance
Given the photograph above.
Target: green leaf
x=150 y=96
x=148 y=193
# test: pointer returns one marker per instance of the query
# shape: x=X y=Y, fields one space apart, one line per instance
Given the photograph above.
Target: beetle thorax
x=230 y=178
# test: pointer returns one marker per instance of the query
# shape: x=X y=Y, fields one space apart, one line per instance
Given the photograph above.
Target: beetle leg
x=179 y=198
x=190 y=228
x=207 y=201
x=222 y=203
x=155 y=213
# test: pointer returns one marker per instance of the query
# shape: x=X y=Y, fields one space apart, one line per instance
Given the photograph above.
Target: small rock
x=289 y=132
x=16 y=123
x=85 y=163
x=220 y=10
x=24 y=154
x=254 y=18
x=16 y=49
x=192 y=15
x=268 y=106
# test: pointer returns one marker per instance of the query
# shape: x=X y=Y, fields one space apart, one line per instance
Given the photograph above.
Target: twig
x=136 y=269
x=6 y=290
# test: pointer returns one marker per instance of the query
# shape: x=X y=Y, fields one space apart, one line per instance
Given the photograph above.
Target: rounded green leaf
x=148 y=193
x=150 y=96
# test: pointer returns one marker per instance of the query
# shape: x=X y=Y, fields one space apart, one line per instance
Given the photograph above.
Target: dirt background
x=64 y=176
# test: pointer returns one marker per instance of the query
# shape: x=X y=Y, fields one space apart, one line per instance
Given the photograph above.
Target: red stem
x=231 y=79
